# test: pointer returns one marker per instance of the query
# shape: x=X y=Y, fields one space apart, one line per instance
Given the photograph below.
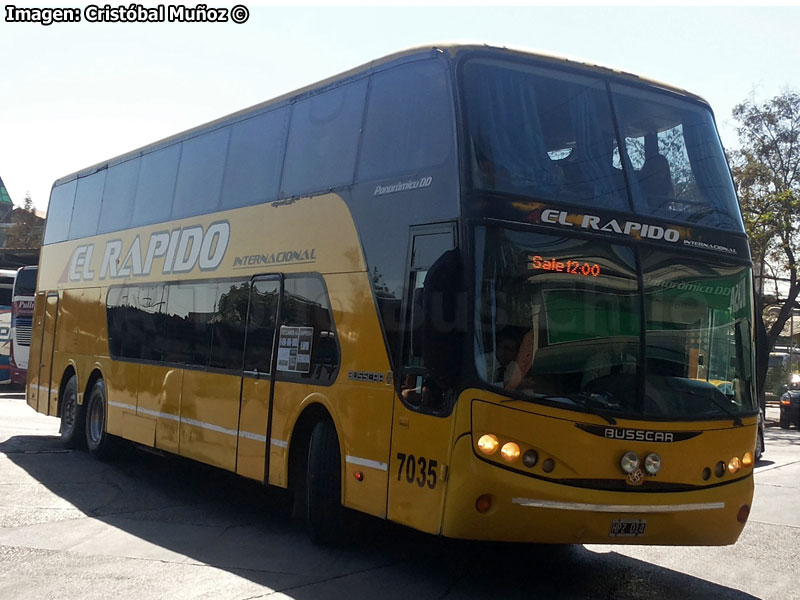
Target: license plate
x=628 y=527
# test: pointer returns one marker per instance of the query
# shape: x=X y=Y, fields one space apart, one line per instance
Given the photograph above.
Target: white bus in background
x=6 y=289
x=22 y=322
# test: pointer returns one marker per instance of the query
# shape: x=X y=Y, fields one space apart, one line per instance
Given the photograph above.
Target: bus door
x=258 y=379
x=423 y=423
x=46 y=398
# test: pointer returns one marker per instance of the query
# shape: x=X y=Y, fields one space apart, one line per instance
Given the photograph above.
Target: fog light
x=734 y=465
x=744 y=512
x=488 y=444
x=747 y=459
x=629 y=462
x=548 y=465
x=530 y=458
x=483 y=503
x=510 y=451
x=652 y=464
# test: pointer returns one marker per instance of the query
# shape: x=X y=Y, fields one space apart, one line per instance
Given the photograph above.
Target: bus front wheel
x=72 y=433
x=324 y=512
x=97 y=439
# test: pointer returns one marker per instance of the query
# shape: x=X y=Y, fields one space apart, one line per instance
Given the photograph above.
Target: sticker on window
x=294 y=351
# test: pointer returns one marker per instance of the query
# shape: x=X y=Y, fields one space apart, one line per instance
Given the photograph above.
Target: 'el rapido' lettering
x=177 y=251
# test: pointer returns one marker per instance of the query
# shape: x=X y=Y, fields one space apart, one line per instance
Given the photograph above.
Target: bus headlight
x=488 y=444
x=629 y=462
x=652 y=464
x=734 y=465
x=510 y=451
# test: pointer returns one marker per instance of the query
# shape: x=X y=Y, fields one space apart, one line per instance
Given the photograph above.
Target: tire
x=98 y=442
x=784 y=422
x=760 y=445
x=72 y=421
x=324 y=512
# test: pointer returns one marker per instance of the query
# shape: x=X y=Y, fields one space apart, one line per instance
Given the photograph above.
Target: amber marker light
x=483 y=503
x=747 y=459
x=734 y=465
x=488 y=444
x=359 y=476
x=510 y=451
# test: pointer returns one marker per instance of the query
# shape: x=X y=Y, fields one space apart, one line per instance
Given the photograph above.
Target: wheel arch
x=69 y=372
x=312 y=413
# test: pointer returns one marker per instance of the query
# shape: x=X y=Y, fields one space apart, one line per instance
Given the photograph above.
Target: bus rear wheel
x=324 y=512
x=97 y=439
x=72 y=432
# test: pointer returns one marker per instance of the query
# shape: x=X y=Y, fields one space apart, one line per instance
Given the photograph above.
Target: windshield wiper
x=737 y=422
x=594 y=405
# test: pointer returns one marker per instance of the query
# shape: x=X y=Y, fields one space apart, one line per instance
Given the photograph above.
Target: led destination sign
x=573 y=267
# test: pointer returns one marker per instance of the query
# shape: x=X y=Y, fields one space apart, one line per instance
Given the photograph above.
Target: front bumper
x=525 y=509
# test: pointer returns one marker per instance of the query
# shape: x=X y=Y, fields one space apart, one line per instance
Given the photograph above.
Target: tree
x=26 y=231
x=766 y=169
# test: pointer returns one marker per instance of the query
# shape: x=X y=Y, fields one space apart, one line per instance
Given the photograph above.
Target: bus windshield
x=562 y=137
x=612 y=329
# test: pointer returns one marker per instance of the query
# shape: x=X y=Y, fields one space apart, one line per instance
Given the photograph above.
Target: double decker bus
x=22 y=322
x=479 y=292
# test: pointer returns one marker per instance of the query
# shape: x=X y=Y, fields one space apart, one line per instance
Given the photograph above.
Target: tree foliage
x=26 y=231
x=766 y=168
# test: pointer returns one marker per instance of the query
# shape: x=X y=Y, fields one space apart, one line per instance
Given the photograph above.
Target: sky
x=75 y=94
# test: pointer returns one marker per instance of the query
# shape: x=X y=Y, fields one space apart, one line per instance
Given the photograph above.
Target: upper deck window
x=678 y=166
x=541 y=133
x=560 y=137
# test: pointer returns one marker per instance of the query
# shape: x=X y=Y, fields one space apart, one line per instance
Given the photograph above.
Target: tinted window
x=307 y=346
x=156 y=186
x=86 y=210
x=118 y=196
x=255 y=158
x=541 y=133
x=59 y=212
x=200 y=174
x=25 y=283
x=115 y=315
x=261 y=326
x=409 y=121
x=679 y=169
x=227 y=343
x=323 y=139
x=188 y=323
x=136 y=321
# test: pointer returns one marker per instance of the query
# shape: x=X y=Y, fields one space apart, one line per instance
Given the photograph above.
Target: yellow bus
x=475 y=291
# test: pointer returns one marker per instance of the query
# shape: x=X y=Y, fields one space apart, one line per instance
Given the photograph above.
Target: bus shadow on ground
x=170 y=508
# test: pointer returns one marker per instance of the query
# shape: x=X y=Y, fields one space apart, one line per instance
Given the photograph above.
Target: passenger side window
x=59 y=212
x=119 y=193
x=261 y=326
x=255 y=159
x=199 y=184
x=86 y=211
x=409 y=124
x=190 y=309
x=156 y=186
x=230 y=312
x=307 y=347
x=323 y=140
